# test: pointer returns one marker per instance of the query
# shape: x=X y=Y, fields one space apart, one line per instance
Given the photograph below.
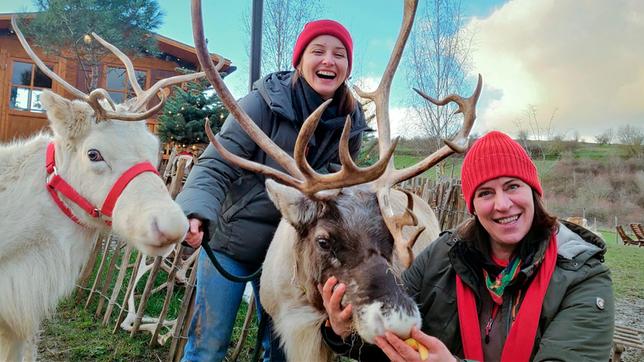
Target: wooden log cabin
x=21 y=82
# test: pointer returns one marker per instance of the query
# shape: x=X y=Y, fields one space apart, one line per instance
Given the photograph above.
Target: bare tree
x=537 y=130
x=606 y=137
x=282 y=22
x=633 y=138
x=438 y=58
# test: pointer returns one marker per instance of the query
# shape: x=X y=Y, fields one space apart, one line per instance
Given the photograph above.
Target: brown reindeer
x=351 y=224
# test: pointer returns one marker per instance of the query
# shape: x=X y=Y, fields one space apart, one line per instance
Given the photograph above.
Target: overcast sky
x=579 y=62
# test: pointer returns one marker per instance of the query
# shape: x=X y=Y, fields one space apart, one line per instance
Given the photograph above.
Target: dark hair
x=543 y=224
x=343 y=96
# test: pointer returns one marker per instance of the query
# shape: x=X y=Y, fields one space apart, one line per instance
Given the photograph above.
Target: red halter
x=56 y=184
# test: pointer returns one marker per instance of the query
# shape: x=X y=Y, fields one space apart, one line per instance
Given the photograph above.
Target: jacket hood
x=576 y=242
x=280 y=95
x=275 y=89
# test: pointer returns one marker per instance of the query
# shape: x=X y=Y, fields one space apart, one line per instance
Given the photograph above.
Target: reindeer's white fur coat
x=41 y=250
x=296 y=321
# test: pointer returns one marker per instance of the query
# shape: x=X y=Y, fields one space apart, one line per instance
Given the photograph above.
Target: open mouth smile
x=507 y=220
x=324 y=74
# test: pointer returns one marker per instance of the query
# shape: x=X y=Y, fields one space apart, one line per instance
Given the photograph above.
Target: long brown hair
x=344 y=97
x=543 y=224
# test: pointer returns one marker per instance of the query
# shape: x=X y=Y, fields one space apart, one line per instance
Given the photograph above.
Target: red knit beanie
x=496 y=155
x=323 y=27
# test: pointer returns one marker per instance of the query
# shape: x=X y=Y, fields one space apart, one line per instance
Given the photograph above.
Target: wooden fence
x=119 y=281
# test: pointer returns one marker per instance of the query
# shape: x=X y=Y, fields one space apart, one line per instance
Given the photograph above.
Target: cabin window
x=117 y=84
x=27 y=84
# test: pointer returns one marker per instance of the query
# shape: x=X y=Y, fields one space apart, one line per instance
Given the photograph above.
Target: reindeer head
x=348 y=224
x=97 y=141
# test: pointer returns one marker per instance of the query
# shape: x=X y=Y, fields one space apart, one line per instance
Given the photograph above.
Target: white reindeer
x=44 y=242
x=348 y=224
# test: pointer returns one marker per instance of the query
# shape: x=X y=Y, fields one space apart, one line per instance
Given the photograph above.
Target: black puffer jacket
x=577 y=316
x=232 y=202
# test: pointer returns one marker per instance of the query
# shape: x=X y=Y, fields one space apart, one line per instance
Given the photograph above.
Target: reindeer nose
x=168 y=231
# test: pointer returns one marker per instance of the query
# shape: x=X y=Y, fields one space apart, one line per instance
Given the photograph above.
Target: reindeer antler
x=391 y=176
x=300 y=173
x=97 y=95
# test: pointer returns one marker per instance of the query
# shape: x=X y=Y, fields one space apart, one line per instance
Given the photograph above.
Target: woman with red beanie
x=229 y=208
x=512 y=283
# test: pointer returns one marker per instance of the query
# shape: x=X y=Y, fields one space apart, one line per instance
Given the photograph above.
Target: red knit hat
x=496 y=155
x=323 y=27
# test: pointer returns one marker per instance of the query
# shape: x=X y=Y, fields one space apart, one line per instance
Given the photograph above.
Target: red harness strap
x=56 y=184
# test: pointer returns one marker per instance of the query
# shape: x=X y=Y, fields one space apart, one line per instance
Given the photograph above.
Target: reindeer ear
x=288 y=200
x=70 y=120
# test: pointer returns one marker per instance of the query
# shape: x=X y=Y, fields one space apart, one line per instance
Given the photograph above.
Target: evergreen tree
x=184 y=114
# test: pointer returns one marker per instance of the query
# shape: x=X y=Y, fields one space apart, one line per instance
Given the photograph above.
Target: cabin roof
x=166 y=45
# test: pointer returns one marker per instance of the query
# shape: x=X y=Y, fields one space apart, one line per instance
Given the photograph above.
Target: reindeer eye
x=323 y=243
x=94 y=155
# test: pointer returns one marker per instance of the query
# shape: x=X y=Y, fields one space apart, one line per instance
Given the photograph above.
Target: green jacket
x=577 y=317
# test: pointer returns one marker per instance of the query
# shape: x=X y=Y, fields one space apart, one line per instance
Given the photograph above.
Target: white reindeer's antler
x=138 y=111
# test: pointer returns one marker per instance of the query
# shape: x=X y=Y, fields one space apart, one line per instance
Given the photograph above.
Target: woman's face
x=324 y=65
x=505 y=208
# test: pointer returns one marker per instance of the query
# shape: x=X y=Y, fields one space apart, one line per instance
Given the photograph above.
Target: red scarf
x=520 y=341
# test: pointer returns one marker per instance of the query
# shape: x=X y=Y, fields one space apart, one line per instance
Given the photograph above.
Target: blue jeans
x=216 y=305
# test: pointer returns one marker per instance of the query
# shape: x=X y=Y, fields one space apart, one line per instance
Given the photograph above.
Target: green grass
x=72 y=334
x=625 y=263
x=448 y=167
x=599 y=152
x=452 y=165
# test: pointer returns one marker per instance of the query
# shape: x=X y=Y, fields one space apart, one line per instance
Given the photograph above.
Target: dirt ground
x=630 y=313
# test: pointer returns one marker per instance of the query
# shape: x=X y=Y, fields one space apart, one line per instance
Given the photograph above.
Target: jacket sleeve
x=582 y=330
x=413 y=276
x=208 y=182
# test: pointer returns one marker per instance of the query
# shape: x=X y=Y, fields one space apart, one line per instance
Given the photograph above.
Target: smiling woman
x=229 y=207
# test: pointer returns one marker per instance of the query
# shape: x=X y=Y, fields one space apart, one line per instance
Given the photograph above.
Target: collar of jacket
x=468 y=262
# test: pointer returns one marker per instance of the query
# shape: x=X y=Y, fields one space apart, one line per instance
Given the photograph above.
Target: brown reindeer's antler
x=300 y=173
x=383 y=176
x=137 y=112
x=391 y=176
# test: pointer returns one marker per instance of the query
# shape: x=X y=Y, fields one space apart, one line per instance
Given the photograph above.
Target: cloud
x=582 y=60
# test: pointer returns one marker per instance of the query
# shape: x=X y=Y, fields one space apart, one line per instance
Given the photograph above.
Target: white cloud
x=582 y=59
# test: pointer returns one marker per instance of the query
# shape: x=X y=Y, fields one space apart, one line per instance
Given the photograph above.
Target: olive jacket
x=577 y=317
x=238 y=217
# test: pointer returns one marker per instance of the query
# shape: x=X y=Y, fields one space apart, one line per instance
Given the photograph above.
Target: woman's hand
x=339 y=318
x=194 y=237
x=397 y=350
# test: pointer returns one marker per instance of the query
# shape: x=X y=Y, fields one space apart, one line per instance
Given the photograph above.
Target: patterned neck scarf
x=497 y=286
